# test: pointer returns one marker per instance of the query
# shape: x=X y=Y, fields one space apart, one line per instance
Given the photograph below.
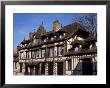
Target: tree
x=89 y=22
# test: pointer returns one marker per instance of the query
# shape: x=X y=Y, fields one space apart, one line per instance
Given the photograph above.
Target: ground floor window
x=69 y=64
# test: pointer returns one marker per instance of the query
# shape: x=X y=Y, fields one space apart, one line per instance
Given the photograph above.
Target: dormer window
x=60 y=51
x=25 y=44
x=34 y=41
x=90 y=46
x=80 y=46
x=76 y=48
x=60 y=36
x=79 y=38
x=75 y=37
x=63 y=34
x=34 y=36
x=44 y=40
x=96 y=43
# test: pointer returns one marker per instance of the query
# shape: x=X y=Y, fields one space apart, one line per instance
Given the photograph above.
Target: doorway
x=60 y=68
x=87 y=67
x=50 y=68
x=43 y=68
x=37 y=69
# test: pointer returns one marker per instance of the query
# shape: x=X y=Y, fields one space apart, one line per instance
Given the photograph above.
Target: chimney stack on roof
x=56 y=26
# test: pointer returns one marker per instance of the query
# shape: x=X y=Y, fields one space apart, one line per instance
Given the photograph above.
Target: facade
x=68 y=50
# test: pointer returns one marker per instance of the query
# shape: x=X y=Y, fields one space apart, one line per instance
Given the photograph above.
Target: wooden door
x=87 y=67
x=60 y=68
x=50 y=68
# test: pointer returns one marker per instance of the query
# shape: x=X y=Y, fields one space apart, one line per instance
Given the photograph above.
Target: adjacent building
x=67 y=50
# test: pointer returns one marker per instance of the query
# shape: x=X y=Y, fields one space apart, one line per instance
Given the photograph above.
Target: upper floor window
x=50 y=52
x=27 y=55
x=75 y=37
x=90 y=46
x=60 y=51
x=34 y=41
x=37 y=54
x=96 y=43
x=43 y=53
x=69 y=64
x=47 y=38
x=23 y=55
x=33 y=54
x=34 y=36
x=55 y=36
x=55 y=52
x=79 y=38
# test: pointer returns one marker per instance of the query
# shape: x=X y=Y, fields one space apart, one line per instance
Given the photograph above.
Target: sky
x=23 y=23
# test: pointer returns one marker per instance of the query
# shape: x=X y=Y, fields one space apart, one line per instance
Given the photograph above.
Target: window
x=63 y=34
x=90 y=46
x=60 y=51
x=47 y=38
x=79 y=38
x=44 y=40
x=76 y=49
x=22 y=55
x=33 y=54
x=51 y=52
x=43 y=53
x=55 y=52
x=69 y=64
x=34 y=41
x=30 y=55
x=27 y=56
x=51 y=38
x=37 y=54
x=60 y=36
x=96 y=43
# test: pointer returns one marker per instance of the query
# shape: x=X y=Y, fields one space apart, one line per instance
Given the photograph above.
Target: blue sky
x=27 y=22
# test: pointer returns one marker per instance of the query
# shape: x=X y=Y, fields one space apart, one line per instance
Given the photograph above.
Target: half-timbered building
x=67 y=50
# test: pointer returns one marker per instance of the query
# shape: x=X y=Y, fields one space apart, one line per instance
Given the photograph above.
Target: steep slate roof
x=69 y=31
x=85 y=49
x=81 y=51
x=90 y=39
x=25 y=42
x=77 y=42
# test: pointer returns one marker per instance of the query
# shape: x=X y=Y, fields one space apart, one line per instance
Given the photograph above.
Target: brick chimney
x=56 y=25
